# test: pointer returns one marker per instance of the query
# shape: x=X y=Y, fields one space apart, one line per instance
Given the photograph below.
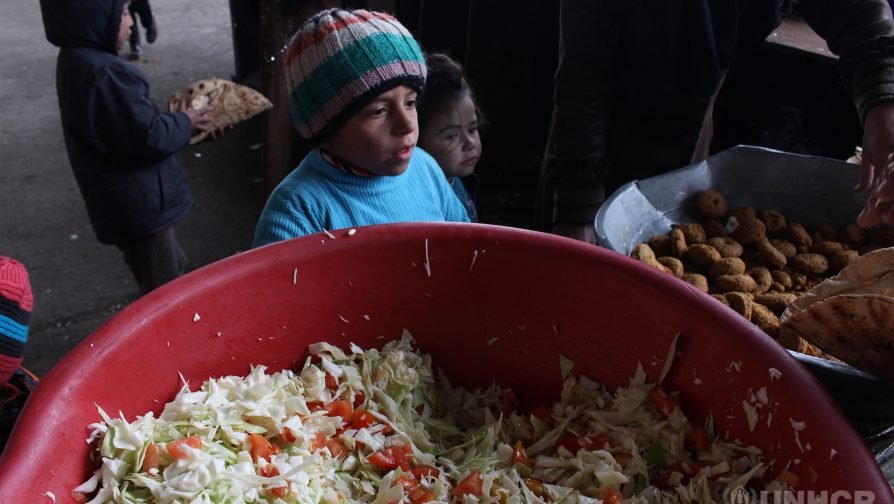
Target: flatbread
x=856 y=328
x=871 y=273
x=233 y=103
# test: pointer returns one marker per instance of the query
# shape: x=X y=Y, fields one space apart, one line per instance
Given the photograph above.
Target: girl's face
x=124 y=28
x=381 y=136
x=451 y=137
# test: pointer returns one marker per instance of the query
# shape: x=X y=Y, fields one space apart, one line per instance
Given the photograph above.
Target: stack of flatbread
x=850 y=315
x=233 y=103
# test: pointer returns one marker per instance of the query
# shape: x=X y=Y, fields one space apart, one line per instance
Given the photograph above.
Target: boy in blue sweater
x=354 y=79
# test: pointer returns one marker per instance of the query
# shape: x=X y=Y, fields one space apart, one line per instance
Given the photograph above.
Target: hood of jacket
x=90 y=24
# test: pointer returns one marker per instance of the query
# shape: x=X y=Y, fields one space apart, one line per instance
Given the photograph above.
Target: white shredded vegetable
x=383 y=426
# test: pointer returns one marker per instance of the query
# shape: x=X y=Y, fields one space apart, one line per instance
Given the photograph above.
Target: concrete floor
x=78 y=283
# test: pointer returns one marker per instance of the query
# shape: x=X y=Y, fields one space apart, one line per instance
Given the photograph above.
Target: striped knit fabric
x=16 y=302
x=339 y=60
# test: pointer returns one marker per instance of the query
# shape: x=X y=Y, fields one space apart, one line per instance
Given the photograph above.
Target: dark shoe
x=152 y=32
x=135 y=52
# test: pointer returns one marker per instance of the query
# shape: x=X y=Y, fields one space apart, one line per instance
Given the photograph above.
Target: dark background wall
x=775 y=97
x=510 y=55
x=788 y=100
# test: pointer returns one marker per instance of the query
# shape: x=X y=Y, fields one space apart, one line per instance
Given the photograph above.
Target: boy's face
x=124 y=28
x=381 y=136
x=451 y=137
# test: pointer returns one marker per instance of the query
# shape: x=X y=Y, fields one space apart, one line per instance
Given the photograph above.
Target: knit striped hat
x=340 y=60
x=16 y=302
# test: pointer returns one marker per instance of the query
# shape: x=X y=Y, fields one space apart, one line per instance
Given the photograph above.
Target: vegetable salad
x=382 y=426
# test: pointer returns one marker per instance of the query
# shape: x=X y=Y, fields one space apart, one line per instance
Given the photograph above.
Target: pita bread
x=233 y=103
x=857 y=328
x=871 y=273
x=849 y=316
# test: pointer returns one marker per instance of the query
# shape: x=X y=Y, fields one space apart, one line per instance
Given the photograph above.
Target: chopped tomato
x=150 y=459
x=407 y=480
x=596 y=441
x=622 y=458
x=268 y=471
x=361 y=418
x=570 y=442
x=279 y=491
x=331 y=382
x=174 y=447
x=318 y=442
x=336 y=447
x=314 y=406
x=342 y=409
x=392 y=457
x=695 y=468
x=359 y=399
x=261 y=448
x=382 y=460
x=665 y=402
x=470 y=485
x=535 y=486
x=519 y=456
x=697 y=439
x=510 y=401
x=611 y=496
x=420 y=495
x=425 y=471
x=287 y=436
x=542 y=413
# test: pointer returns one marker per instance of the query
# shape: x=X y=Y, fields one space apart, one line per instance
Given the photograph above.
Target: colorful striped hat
x=340 y=60
x=16 y=302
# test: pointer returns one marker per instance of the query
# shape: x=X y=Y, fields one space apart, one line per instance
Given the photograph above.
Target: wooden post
x=283 y=147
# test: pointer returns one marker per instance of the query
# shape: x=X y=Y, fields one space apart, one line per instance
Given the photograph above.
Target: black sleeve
x=861 y=33
x=576 y=164
x=133 y=128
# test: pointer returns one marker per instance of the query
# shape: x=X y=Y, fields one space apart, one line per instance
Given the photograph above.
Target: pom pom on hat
x=339 y=60
x=16 y=302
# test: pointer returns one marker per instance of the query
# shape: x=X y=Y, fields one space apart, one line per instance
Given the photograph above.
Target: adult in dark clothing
x=122 y=149
x=140 y=9
x=636 y=82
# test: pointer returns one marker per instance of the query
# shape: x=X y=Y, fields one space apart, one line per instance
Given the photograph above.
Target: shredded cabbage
x=379 y=426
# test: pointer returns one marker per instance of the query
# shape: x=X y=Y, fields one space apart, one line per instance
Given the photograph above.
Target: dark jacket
x=635 y=78
x=122 y=149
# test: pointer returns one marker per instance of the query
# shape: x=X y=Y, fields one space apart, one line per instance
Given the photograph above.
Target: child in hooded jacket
x=122 y=148
x=354 y=78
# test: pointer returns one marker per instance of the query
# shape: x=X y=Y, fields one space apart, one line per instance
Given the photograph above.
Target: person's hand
x=199 y=119
x=876 y=175
x=582 y=232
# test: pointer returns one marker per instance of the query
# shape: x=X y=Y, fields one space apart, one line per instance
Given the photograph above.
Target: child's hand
x=199 y=119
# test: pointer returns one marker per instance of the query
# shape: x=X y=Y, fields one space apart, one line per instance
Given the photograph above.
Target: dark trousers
x=141 y=9
x=155 y=260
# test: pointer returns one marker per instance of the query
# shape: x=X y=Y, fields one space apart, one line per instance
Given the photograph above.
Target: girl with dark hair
x=450 y=124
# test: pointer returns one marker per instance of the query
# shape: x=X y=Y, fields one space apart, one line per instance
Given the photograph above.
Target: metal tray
x=807 y=189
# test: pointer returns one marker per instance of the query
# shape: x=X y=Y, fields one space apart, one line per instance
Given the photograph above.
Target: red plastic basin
x=499 y=304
